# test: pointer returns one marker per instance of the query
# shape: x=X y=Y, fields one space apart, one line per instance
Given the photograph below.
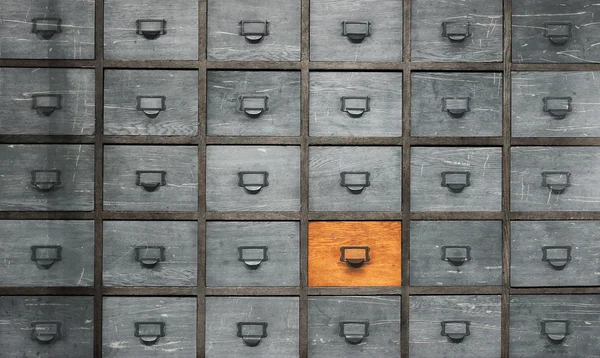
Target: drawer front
x=253 y=103
x=361 y=104
x=354 y=253
x=252 y=254
x=456 y=253
x=457 y=32
x=369 y=30
x=555 y=31
x=251 y=178
x=151 y=30
x=555 y=104
x=47 y=177
x=150 y=102
x=57 y=29
x=555 y=253
x=150 y=178
x=47 y=326
x=140 y=327
x=455 y=326
x=150 y=253
x=456 y=104
x=241 y=327
x=347 y=326
x=47 y=101
x=555 y=178
x=565 y=326
x=355 y=178
x=456 y=179
x=254 y=30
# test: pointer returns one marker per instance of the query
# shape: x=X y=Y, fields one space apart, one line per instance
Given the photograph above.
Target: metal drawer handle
x=558 y=32
x=47 y=27
x=46 y=104
x=151 y=29
x=356 y=31
x=149 y=332
x=456 y=31
x=556 y=181
x=252 y=333
x=151 y=186
x=46 y=332
x=252 y=256
x=456 y=182
x=354 y=332
x=558 y=107
x=149 y=256
x=557 y=256
x=254 y=106
x=455 y=331
x=556 y=330
x=355 y=107
x=456 y=255
x=45 y=256
x=151 y=105
x=254 y=31
x=355 y=182
x=456 y=107
x=46 y=179
x=355 y=262
x=253 y=182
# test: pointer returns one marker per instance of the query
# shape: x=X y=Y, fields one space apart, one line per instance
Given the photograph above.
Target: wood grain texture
x=326 y=238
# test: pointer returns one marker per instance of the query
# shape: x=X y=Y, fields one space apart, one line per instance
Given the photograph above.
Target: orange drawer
x=354 y=253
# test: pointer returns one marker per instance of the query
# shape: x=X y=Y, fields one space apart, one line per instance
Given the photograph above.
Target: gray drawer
x=254 y=30
x=47 y=326
x=347 y=326
x=359 y=104
x=535 y=332
x=252 y=178
x=457 y=104
x=46 y=177
x=555 y=31
x=151 y=30
x=555 y=253
x=57 y=29
x=141 y=327
x=253 y=103
x=468 y=31
x=555 y=104
x=369 y=30
x=150 y=178
x=456 y=253
x=355 y=178
x=47 y=101
x=150 y=102
x=241 y=327
x=252 y=253
x=456 y=179
x=555 y=178
x=455 y=326
x=150 y=253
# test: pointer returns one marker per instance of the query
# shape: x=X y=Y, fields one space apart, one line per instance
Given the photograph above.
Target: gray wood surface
x=484 y=90
x=224 y=89
x=122 y=87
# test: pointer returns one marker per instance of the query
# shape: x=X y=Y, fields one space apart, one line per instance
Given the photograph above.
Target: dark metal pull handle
x=355 y=182
x=456 y=255
x=355 y=262
x=151 y=105
x=254 y=31
x=356 y=31
x=149 y=256
x=355 y=107
x=151 y=29
x=354 y=332
x=46 y=179
x=254 y=106
x=45 y=256
x=46 y=104
x=556 y=330
x=159 y=176
x=46 y=332
x=252 y=256
x=455 y=331
x=252 y=333
x=149 y=332
x=253 y=182
x=558 y=107
x=456 y=107
x=456 y=182
x=47 y=27
x=556 y=181
x=558 y=32
x=456 y=31
x=557 y=256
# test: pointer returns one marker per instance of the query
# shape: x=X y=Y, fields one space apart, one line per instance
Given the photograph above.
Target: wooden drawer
x=150 y=178
x=456 y=179
x=369 y=30
x=253 y=103
x=254 y=30
x=150 y=253
x=456 y=104
x=354 y=253
x=47 y=326
x=555 y=253
x=347 y=326
x=362 y=104
x=241 y=327
x=141 y=327
x=457 y=32
x=150 y=102
x=456 y=253
x=151 y=29
x=355 y=178
x=252 y=253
